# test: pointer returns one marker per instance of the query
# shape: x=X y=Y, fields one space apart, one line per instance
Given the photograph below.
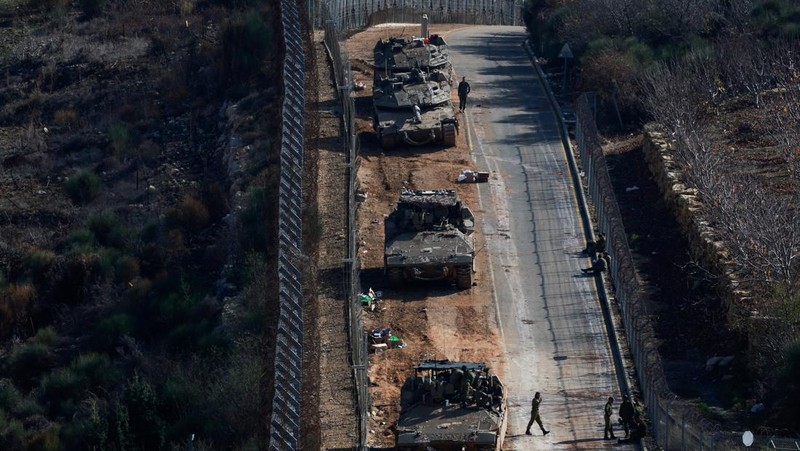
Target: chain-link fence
x=356 y=330
x=676 y=424
x=351 y=15
x=285 y=421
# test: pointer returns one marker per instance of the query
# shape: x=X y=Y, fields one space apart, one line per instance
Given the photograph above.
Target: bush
x=46 y=336
x=65 y=118
x=28 y=407
x=126 y=268
x=39 y=262
x=91 y=8
x=107 y=229
x=77 y=274
x=63 y=389
x=108 y=331
x=28 y=360
x=83 y=187
x=146 y=425
x=79 y=241
x=246 y=44
x=120 y=135
x=258 y=221
x=45 y=439
x=9 y=395
x=12 y=434
x=191 y=215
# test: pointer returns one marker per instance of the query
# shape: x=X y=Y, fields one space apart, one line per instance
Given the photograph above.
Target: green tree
x=146 y=425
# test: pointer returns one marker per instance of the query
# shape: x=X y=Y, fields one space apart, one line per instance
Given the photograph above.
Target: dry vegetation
x=136 y=222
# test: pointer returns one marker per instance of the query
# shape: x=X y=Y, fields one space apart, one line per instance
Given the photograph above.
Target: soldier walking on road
x=537 y=399
x=608 y=410
x=463 y=90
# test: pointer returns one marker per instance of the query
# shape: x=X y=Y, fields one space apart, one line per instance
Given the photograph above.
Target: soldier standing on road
x=626 y=414
x=463 y=90
x=537 y=399
x=608 y=410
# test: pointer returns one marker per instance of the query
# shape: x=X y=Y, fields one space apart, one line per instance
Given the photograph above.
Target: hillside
x=134 y=222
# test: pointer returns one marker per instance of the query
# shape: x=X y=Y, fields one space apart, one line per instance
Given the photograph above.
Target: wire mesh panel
x=352 y=15
x=285 y=422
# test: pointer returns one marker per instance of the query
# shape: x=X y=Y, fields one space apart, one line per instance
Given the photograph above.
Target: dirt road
x=434 y=320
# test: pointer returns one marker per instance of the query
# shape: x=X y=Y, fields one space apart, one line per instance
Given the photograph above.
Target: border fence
x=285 y=421
x=352 y=15
x=676 y=424
x=355 y=320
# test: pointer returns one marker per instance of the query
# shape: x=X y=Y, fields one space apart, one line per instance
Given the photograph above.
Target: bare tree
x=679 y=94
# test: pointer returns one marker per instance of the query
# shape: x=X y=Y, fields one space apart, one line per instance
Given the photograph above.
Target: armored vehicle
x=429 y=237
x=401 y=55
x=452 y=406
x=414 y=108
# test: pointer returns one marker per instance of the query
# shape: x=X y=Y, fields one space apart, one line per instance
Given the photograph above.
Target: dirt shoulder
x=338 y=422
x=434 y=320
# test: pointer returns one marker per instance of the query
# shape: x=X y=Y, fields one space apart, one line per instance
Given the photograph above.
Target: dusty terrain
x=434 y=320
x=337 y=413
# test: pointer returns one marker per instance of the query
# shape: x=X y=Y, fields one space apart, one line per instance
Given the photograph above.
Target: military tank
x=395 y=55
x=414 y=108
x=452 y=406
x=429 y=236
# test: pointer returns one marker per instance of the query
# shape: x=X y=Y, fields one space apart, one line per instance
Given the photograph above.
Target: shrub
x=39 y=263
x=19 y=296
x=146 y=425
x=246 y=43
x=191 y=215
x=28 y=407
x=59 y=390
x=95 y=370
x=15 y=300
x=256 y=220
x=79 y=242
x=91 y=8
x=65 y=118
x=107 y=229
x=9 y=395
x=83 y=187
x=77 y=274
x=45 y=439
x=120 y=135
x=126 y=268
x=12 y=434
x=28 y=360
x=64 y=388
x=216 y=201
x=46 y=336
x=108 y=331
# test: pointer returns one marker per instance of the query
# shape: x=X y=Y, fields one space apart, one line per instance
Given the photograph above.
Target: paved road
x=548 y=311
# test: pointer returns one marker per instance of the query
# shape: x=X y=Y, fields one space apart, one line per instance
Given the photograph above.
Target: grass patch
x=83 y=187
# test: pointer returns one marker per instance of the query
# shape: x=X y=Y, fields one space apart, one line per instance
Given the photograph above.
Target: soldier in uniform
x=537 y=399
x=608 y=410
x=626 y=414
x=463 y=90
